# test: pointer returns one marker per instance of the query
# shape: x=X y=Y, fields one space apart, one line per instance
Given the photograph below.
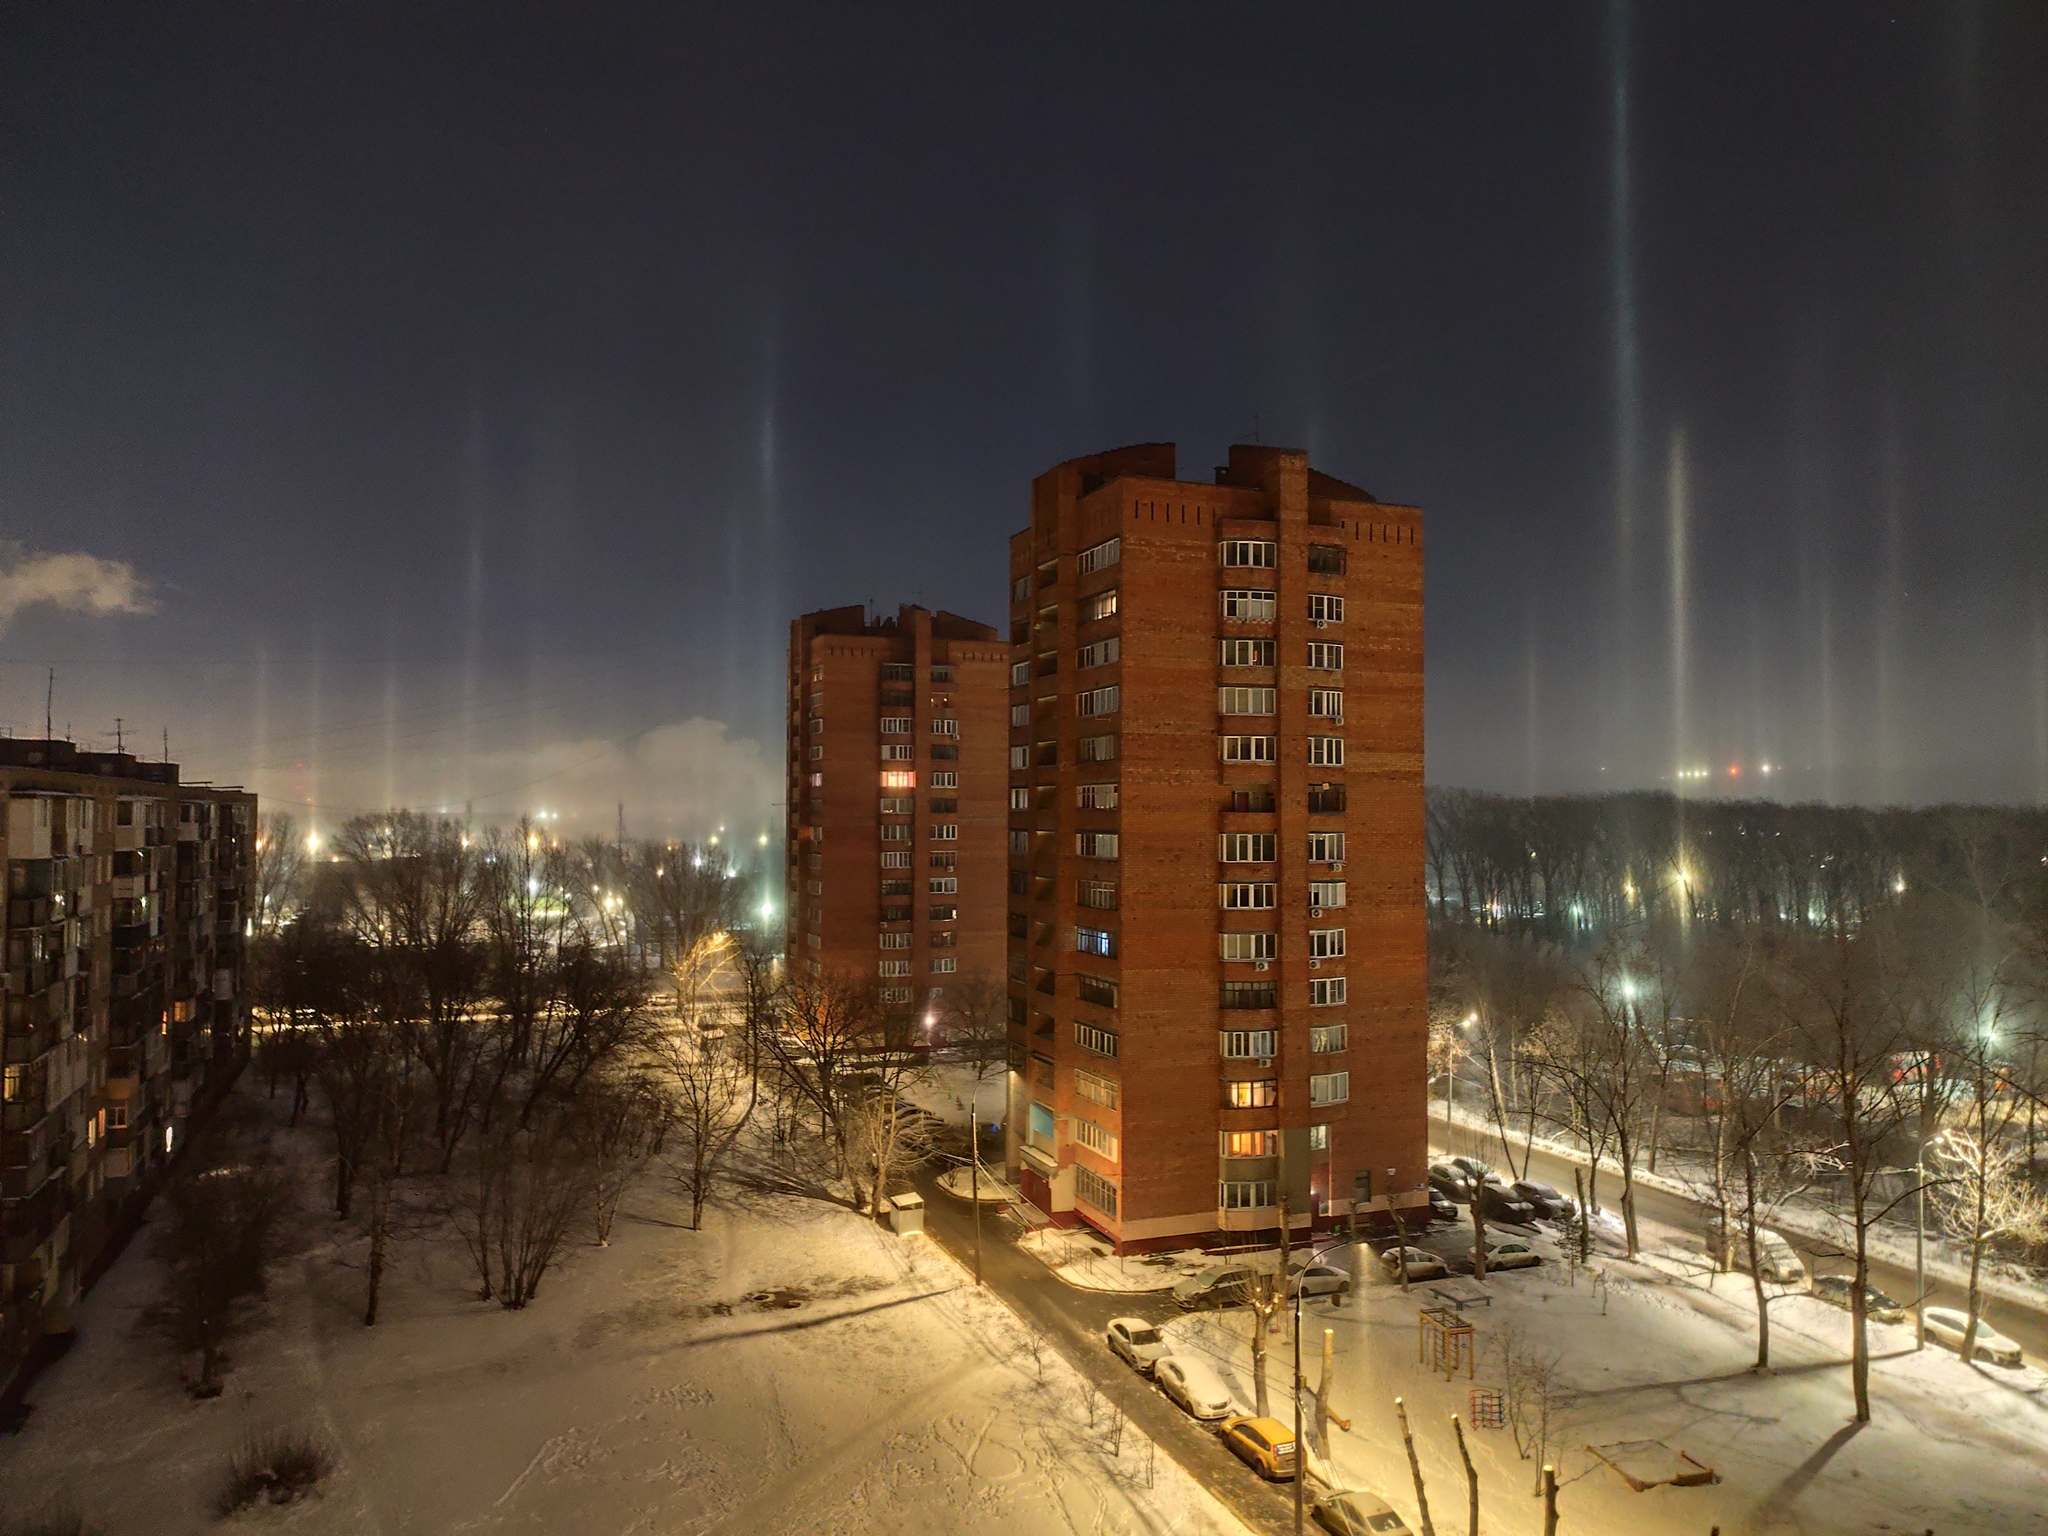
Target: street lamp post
x=1300 y=1430
x=974 y=1178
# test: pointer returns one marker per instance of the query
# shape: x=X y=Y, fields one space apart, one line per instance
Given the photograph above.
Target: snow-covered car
x=1136 y=1342
x=1422 y=1264
x=1947 y=1324
x=1228 y=1285
x=1512 y=1256
x=1317 y=1280
x=1450 y=1182
x=1473 y=1168
x=1359 y=1514
x=1840 y=1291
x=1194 y=1385
x=1496 y=1202
x=1776 y=1259
x=1441 y=1206
x=1550 y=1205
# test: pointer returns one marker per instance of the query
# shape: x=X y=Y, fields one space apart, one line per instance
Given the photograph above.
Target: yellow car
x=1266 y=1445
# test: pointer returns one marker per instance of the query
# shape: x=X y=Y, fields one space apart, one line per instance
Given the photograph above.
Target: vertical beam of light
x=259 y=716
x=1531 y=700
x=311 y=777
x=2040 y=699
x=1891 y=496
x=1617 y=654
x=475 y=497
x=1677 y=496
x=1077 y=316
x=390 y=714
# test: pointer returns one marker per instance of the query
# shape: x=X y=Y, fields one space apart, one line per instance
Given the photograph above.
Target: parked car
x=1777 y=1259
x=1496 y=1202
x=1265 y=1445
x=1228 y=1285
x=1441 y=1206
x=1193 y=1384
x=1422 y=1264
x=1840 y=1291
x=1450 y=1182
x=1512 y=1255
x=1318 y=1280
x=1359 y=1514
x=1473 y=1169
x=1136 y=1342
x=1550 y=1205
x=1948 y=1325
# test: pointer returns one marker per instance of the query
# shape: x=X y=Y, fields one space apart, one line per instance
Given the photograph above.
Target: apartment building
x=127 y=894
x=1217 y=947
x=896 y=796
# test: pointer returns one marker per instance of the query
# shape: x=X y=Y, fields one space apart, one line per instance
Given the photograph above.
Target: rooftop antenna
x=117 y=734
x=49 y=705
x=622 y=824
x=167 y=743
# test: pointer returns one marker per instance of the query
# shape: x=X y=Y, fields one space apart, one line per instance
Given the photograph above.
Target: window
x=1098 y=701
x=1325 y=991
x=895 y=967
x=1251 y=1093
x=1095 y=941
x=1099 y=653
x=1020 y=716
x=896 y=858
x=1244 y=701
x=895 y=725
x=1326 y=559
x=889 y=994
x=1095 y=1089
x=1248 y=607
x=1095 y=1189
x=889 y=888
x=1250 y=797
x=1325 y=609
x=898 y=672
x=1249 y=946
x=943 y=964
x=1245 y=896
x=945 y=939
x=898 y=806
x=1092 y=1037
x=944 y=805
x=1325 y=656
x=899 y=778
x=1326 y=893
x=943 y=914
x=1244 y=1194
x=946 y=779
x=945 y=725
x=1020 y=798
x=1095 y=845
x=1099 y=990
x=1099 y=556
x=1326 y=847
x=1325 y=799
x=942 y=674
x=1097 y=1139
x=1098 y=605
x=896 y=832
x=1326 y=704
x=1245 y=847
x=1319 y=1138
x=1020 y=589
x=893 y=753
x=1326 y=751
x=1326 y=943
x=1020 y=673
x=945 y=860
x=1098 y=894
x=1020 y=757
x=817 y=752
x=1245 y=749
x=1247 y=653
x=945 y=831
x=1250 y=994
x=1329 y=1088
x=944 y=885
x=895 y=941
x=1250 y=1044
x=1325 y=1038
x=1097 y=797
x=1246 y=552
x=817 y=726
x=1251 y=1143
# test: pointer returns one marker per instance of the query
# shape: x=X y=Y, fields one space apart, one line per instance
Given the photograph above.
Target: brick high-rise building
x=1217 y=939
x=127 y=899
x=896 y=799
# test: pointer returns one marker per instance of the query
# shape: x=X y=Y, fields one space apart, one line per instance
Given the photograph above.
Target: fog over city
x=472 y=449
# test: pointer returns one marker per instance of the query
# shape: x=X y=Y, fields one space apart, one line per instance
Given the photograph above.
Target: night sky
x=451 y=404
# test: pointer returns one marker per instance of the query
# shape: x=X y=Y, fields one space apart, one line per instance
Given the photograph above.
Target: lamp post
x=1300 y=1436
x=974 y=1178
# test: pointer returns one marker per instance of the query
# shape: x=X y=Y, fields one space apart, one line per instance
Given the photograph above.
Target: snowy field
x=1956 y=1450
x=643 y=1391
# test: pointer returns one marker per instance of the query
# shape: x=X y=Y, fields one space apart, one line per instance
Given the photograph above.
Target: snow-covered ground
x=643 y=1391
x=1646 y=1355
x=1084 y=1261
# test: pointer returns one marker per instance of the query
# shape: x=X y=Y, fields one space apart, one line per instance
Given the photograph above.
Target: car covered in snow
x=1194 y=1384
x=1441 y=1206
x=1265 y=1445
x=1840 y=1291
x=1451 y=1182
x=1512 y=1255
x=1550 y=1205
x=1359 y=1514
x=1422 y=1264
x=1948 y=1324
x=1135 y=1342
x=1776 y=1260
x=1317 y=1280
x=1496 y=1202
x=1227 y=1285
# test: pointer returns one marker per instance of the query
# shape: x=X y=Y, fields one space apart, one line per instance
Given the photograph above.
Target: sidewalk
x=1084 y=1261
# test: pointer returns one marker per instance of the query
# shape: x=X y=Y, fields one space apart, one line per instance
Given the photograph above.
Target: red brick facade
x=896 y=795
x=1177 y=744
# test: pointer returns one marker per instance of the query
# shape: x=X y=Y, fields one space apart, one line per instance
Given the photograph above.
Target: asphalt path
x=2027 y=1328
x=1075 y=1320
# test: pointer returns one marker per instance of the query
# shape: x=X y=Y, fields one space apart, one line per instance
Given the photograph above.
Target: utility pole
x=1920 y=1249
x=1300 y=1437
x=974 y=1178
x=50 y=706
x=117 y=733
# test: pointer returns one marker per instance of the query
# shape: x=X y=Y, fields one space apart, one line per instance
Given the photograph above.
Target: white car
x=1317 y=1280
x=1136 y=1342
x=1359 y=1514
x=1948 y=1325
x=1422 y=1264
x=1511 y=1256
x=1193 y=1385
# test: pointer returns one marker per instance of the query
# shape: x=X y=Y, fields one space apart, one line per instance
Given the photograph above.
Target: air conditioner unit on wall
x=1322 y=623
x=1315 y=965
x=1315 y=911
x=1336 y=866
x=1260 y=966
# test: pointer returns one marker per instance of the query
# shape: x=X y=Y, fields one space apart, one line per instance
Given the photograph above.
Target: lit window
x=1099 y=605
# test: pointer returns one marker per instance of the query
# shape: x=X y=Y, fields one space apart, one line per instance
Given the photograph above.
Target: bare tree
x=1533 y=1391
x=1264 y=1298
x=621 y=1121
x=526 y=1184
x=1984 y=1192
x=686 y=903
x=218 y=1237
x=707 y=1096
x=280 y=874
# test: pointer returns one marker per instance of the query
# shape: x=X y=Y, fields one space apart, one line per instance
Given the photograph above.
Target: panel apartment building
x=127 y=895
x=1217 y=942
x=896 y=796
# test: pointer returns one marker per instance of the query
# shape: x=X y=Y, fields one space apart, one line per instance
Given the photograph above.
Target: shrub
x=278 y=1469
